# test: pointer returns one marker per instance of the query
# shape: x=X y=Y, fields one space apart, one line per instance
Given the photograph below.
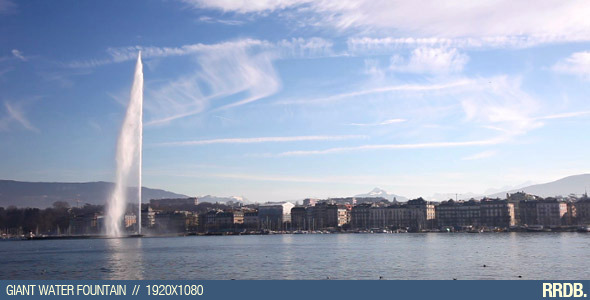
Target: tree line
x=50 y=220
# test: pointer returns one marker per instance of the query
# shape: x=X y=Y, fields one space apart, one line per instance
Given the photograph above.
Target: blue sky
x=282 y=100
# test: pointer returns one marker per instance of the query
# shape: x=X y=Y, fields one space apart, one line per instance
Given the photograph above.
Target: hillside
x=576 y=184
x=43 y=194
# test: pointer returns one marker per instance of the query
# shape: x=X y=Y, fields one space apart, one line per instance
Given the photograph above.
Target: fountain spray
x=128 y=157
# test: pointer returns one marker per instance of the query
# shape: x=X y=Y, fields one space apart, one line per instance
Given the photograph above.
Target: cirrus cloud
x=430 y=60
x=546 y=20
x=576 y=64
x=255 y=140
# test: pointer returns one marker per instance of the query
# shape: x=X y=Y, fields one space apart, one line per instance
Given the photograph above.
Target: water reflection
x=124 y=259
x=304 y=256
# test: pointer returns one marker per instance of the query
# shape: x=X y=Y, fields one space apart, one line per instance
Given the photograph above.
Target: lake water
x=337 y=256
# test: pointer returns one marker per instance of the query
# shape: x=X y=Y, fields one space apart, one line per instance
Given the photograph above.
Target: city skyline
x=284 y=100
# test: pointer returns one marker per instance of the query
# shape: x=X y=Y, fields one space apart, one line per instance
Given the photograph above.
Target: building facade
x=583 y=210
x=458 y=214
x=160 y=204
x=497 y=213
x=275 y=216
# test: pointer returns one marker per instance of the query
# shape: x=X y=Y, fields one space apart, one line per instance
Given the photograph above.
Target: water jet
x=128 y=158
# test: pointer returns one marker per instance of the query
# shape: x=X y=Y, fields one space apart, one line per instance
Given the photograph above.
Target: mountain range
x=43 y=194
x=377 y=192
x=575 y=184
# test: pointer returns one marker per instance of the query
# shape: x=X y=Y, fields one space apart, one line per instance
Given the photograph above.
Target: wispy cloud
x=493 y=141
x=372 y=45
x=385 y=89
x=7 y=7
x=370 y=180
x=295 y=47
x=89 y=63
x=207 y=19
x=244 y=7
x=18 y=54
x=123 y=54
x=5 y=70
x=95 y=125
x=576 y=64
x=386 y=122
x=531 y=122
x=273 y=139
x=564 y=115
x=497 y=103
x=546 y=22
x=63 y=77
x=505 y=107
x=480 y=155
x=15 y=114
x=243 y=67
x=129 y=53
x=430 y=60
x=502 y=105
x=223 y=72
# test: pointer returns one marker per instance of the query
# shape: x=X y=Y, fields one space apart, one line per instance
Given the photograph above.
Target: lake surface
x=319 y=256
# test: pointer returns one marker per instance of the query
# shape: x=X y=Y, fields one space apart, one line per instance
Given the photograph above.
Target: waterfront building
x=186 y=203
x=458 y=214
x=571 y=216
x=528 y=212
x=209 y=218
x=515 y=199
x=320 y=216
x=550 y=212
x=486 y=213
x=337 y=215
x=227 y=219
x=379 y=216
x=176 y=222
x=582 y=207
x=85 y=224
x=398 y=216
x=422 y=214
x=497 y=213
x=342 y=201
x=129 y=220
x=251 y=220
x=416 y=214
x=360 y=216
x=148 y=217
x=546 y=212
x=315 y=216
x=299 y=217
x=274 y=215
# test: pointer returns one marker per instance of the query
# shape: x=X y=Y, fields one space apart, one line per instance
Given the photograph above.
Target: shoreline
x=81 y=237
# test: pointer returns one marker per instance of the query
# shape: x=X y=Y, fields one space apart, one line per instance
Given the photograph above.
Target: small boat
x=585 y=228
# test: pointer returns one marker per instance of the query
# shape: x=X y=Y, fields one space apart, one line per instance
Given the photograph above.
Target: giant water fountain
x=128 y=158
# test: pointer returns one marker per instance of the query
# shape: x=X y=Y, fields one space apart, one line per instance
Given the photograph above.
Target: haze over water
x=337 y=256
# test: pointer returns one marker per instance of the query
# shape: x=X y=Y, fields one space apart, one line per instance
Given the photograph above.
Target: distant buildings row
x=344 y=214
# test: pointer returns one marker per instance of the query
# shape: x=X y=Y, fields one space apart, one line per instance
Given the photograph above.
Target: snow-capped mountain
x=215 y=199
x=377 y=192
